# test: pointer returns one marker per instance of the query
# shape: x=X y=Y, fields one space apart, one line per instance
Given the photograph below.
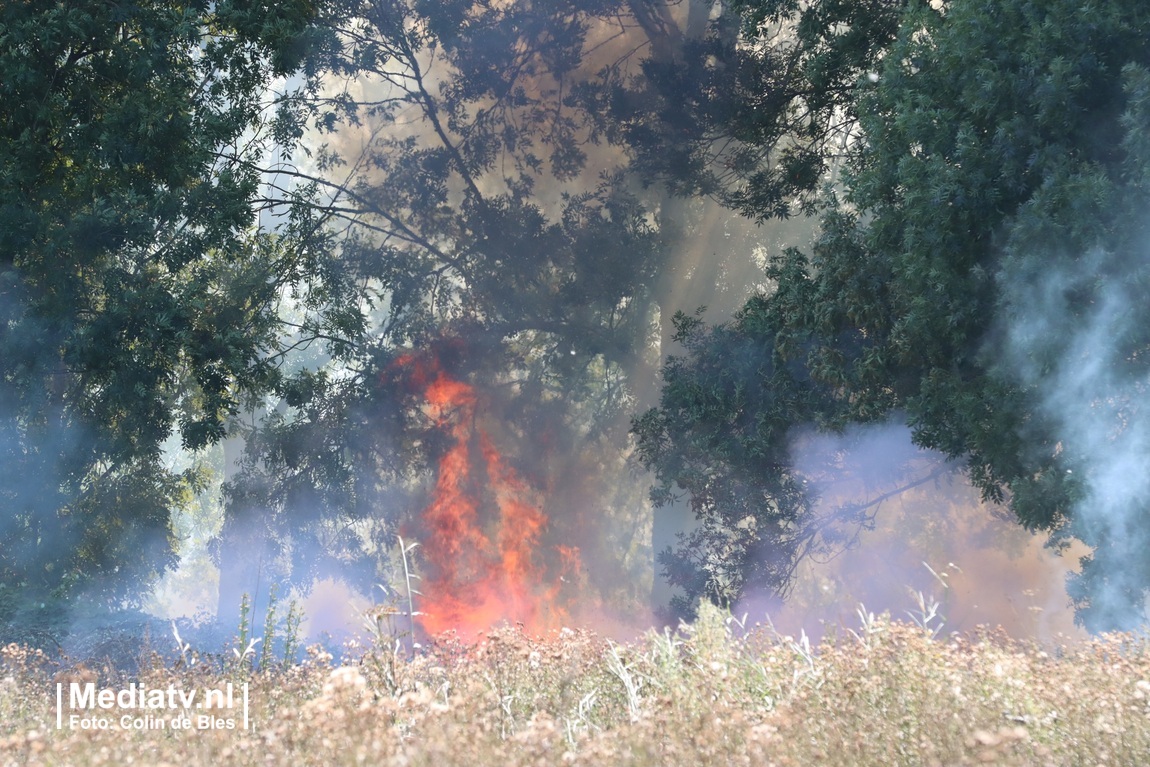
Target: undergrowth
x=714 y=692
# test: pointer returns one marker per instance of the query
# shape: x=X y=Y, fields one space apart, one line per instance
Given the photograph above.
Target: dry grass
x=709 y=694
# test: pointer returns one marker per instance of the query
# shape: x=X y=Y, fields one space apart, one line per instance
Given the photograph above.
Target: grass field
x=715 y=693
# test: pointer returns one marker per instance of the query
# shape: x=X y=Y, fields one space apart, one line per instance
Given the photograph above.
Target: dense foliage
x=138 y=294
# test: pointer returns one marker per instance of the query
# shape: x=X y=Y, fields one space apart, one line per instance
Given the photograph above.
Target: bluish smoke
x=1071 y=329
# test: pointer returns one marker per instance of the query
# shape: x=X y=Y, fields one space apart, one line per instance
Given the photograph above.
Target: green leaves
x=140 y=298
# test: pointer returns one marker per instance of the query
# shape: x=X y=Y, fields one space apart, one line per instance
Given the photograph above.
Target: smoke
x=45 y=452
x=1072 y=327
x=912 y=533
x=564 y=385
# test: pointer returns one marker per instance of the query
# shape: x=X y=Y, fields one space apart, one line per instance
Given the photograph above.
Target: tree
x=487 y=207
x=977 y=275
x=474 y=228
x=139 y=293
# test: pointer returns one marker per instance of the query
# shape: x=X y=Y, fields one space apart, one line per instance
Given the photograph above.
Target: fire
x=481 y=532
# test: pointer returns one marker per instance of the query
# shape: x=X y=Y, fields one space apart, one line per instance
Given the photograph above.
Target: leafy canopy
x=138 y=292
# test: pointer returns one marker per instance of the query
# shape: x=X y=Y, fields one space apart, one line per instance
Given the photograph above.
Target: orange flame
x=482 y=529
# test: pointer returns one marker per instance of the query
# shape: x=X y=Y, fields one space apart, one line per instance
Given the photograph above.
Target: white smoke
x=1068 y=335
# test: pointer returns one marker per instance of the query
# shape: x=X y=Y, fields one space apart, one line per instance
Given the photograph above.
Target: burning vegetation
x=482 y=531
